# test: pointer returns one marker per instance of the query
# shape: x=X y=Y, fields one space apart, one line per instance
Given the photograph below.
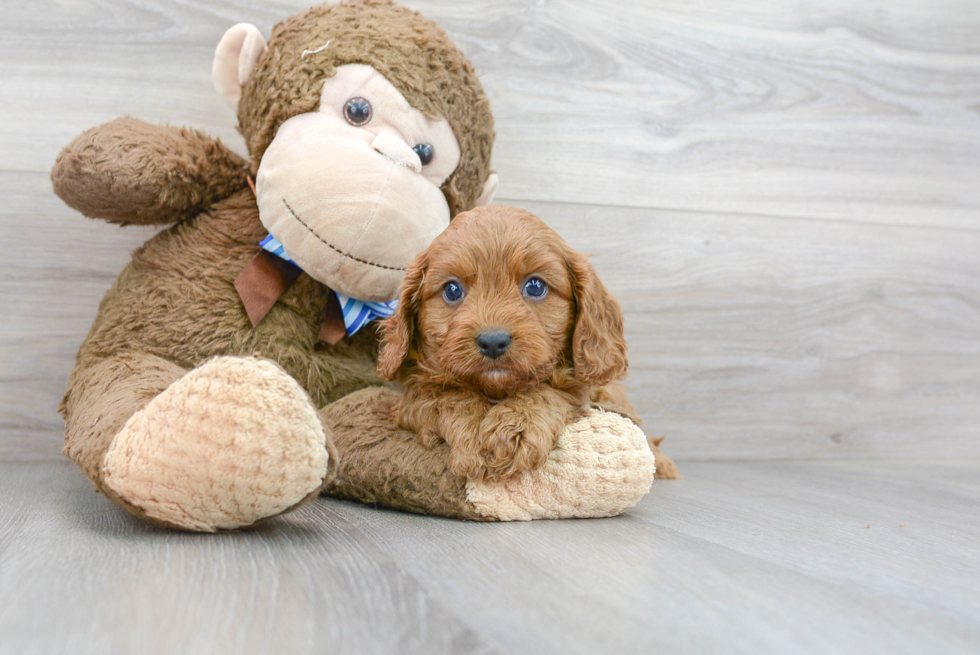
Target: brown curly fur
x=500 y=417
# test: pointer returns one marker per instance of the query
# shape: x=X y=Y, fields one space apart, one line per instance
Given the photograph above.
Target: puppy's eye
x=535 y=288
x=452 y=292
x=357 y=111
x=425 y=152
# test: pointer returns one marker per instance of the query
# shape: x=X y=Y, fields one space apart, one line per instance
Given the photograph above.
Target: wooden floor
x=784 y=196
x=753 y=557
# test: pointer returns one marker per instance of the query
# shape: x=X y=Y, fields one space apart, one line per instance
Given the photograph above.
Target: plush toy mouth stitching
x=334 y=248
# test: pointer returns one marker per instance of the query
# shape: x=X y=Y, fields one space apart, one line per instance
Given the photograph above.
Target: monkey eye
x=535 y=288
x=425 y=152
x=357 y=111
x=452 y=292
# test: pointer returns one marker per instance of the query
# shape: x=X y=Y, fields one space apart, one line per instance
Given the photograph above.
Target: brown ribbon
x=333 y=328
x=267 y=277
x=263 y=282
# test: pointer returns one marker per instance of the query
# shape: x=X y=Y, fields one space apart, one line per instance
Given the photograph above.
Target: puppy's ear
x=598 y=340
x=398 y=330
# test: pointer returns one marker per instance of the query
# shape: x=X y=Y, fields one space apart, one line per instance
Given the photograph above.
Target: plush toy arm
x=383 y=464
x=133 y=173
x=601 y=466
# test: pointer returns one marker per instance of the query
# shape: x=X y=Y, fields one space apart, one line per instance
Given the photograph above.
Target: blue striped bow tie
x=357 y=313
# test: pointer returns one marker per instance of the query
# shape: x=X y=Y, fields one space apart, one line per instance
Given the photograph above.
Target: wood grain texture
x=864 y=112
x=758 y=337
x=756 y=557
x=783 y=196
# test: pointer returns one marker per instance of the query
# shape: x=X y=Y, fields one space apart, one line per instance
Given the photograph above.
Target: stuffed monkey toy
x=230 y=373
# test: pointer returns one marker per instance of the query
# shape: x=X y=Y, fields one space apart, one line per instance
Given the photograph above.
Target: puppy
x=503 y=335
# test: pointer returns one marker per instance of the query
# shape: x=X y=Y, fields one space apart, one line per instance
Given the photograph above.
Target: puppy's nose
x=493 y=343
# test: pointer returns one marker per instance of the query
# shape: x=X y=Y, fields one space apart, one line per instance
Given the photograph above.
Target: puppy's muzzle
x=493 y=343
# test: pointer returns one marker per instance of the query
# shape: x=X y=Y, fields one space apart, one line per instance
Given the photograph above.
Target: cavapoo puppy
x=503 y=335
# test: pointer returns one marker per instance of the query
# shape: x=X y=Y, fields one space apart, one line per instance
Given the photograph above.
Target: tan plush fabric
x=489 y=191
x=358 y=237
x=391 y=113
x=232 y=442
x=236 y=55
x=601 y=466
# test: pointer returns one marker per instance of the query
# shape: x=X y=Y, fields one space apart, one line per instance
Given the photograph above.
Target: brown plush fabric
x=175 y=306
x=232 y=442
x=102 y=396
x=176 y=300
x=414 y=54
x=381 y=463
x=133 y=173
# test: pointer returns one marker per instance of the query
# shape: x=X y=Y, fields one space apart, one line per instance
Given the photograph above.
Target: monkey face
x=358 y=167
x=352 y=190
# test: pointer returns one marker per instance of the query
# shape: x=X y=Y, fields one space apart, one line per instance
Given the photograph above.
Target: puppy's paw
x=426 y=432
x=429 y=436
x=510 y=442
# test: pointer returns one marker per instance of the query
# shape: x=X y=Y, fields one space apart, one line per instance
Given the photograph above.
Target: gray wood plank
x=756 y=337
x=863 y=112
x=895 y=530
x=78 y=576
x=756 y=557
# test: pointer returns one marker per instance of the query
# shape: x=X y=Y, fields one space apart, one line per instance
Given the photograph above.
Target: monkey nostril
x=426 y=152
x=397 y=150
x=493 y=343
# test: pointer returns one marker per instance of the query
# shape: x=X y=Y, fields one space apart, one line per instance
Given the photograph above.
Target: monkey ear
x=489 y=189
x=236 y=55
x=398 y=330
x=598 y=340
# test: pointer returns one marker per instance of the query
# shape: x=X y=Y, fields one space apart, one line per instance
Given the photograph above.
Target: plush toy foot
x=232 y=442
x=601 y=466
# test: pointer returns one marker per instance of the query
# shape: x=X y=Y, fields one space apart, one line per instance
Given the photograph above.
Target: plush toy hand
x=601 y=466
x=131 y=172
